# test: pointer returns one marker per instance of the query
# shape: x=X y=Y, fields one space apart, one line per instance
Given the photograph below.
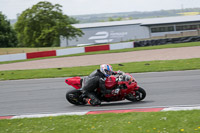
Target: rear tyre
x=74 y=97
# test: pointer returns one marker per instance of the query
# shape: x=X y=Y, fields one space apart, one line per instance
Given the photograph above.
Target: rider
x=97 y=80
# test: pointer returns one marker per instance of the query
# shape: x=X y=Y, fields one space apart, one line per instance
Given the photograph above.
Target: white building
x=116 y=31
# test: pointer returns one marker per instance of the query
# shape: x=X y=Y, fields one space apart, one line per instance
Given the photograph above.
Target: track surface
x=36 y=96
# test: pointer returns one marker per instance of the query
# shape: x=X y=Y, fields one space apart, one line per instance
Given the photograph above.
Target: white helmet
x=106 y=69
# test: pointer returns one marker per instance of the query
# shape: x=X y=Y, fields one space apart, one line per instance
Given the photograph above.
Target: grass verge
x=132 y=67
x=118 y=51
x=136 y=122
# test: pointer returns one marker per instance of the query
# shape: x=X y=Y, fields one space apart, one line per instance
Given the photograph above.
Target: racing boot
x=87 y=100
x=93 y=102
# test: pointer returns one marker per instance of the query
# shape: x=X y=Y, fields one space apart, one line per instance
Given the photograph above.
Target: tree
x=115 y=19
x=43 y=24
x=8 y=36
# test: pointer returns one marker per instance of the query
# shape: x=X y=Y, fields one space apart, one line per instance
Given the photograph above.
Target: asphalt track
x=43 y=96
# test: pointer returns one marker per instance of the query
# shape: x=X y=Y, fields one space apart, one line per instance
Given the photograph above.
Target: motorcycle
x=126 y=83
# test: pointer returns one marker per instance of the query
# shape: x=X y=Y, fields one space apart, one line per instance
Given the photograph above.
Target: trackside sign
x=107 y=37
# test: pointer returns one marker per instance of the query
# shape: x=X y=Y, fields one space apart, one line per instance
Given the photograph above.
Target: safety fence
x=68 y=51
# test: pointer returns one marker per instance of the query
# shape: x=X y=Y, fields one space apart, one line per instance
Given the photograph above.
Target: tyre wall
x=166 y=41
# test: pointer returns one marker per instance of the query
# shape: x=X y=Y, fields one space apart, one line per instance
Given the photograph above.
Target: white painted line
x=180 y=108
x=174 y=108
x=48 y=115
x=194 y=105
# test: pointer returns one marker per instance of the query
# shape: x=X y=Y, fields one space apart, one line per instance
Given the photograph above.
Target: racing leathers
x=95 y=80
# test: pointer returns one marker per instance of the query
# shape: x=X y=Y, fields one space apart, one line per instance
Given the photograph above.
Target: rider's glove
x=115 y=91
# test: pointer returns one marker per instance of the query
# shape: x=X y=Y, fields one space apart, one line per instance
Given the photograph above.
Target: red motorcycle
x=126 y=83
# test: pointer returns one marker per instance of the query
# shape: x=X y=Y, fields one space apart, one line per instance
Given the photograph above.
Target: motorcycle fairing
x=110 y=82
x=74 y=82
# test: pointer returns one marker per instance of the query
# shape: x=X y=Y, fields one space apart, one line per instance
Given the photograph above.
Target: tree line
x=38 y=26
x=133 y=15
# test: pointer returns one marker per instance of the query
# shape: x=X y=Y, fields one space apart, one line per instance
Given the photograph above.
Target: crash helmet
x=106 y=69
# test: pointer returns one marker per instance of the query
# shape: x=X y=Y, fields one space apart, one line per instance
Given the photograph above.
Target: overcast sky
x=79 y=7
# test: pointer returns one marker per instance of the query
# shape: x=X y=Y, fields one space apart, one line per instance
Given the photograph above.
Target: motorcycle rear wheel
x=73 y=96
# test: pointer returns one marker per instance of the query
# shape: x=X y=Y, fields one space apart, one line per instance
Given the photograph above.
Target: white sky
x=79 y=7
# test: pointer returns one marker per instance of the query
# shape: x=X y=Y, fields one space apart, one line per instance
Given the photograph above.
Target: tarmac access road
x=44 y=96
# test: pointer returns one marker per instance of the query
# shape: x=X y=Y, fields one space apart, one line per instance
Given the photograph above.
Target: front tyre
x=140 y=94
x=73 y=97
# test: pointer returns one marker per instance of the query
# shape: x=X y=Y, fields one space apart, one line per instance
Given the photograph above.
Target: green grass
x=118 y=51
x=132 y=67
x=136 y=122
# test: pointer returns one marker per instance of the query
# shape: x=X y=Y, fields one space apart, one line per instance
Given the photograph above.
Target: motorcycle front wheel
x=73 y=96
x=140 y=94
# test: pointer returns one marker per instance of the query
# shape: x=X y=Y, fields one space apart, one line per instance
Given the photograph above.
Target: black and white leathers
x=95 y=80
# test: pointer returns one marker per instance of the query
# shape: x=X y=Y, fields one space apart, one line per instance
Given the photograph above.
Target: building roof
x=103 y=24
x=144 y=22
x=170 y=20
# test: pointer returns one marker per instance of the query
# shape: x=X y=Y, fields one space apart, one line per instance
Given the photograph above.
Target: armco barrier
x=12 y=57
x=41 y=54
x=97 y=48
x=68 y=51
x=121 y=45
